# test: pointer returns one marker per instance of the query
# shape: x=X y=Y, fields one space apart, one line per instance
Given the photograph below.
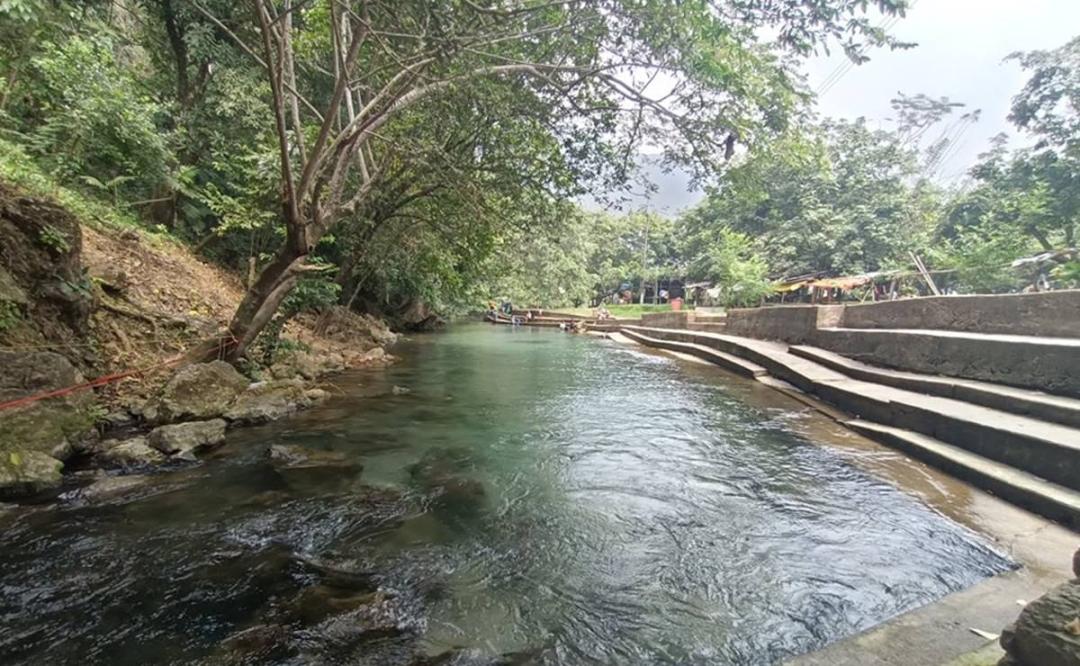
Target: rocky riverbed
x=186 y=418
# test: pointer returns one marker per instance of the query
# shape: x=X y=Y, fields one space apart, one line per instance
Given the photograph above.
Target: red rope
x=93 y=383
x=100 y=381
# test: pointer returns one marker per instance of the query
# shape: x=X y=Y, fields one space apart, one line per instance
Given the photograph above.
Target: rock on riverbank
x=1047 y=633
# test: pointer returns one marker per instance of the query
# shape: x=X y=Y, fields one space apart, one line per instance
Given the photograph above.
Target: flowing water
x=554 y=498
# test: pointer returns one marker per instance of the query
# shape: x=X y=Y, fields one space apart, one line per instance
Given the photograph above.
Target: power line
x=843 y=68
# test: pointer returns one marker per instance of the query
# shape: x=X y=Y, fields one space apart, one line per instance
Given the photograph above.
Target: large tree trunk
x=256 y=309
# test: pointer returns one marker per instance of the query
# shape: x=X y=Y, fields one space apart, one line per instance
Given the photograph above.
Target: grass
x=631 y=311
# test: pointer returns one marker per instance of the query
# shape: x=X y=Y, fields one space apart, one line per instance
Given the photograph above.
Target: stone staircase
x=1013 y=441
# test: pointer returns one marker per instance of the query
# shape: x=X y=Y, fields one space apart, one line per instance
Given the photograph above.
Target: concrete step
x=727 y=361
x=1032 y=362
x=1026 y=490
x=715 y=327
x=1043 y=406
x=1047 y=450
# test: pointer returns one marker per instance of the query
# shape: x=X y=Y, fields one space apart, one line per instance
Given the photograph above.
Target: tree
x=731 y=263
x=837 y=197
x=1028 y=199
x=589 y=63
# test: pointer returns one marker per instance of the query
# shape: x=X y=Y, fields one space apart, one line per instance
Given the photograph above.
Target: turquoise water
x=576 y=502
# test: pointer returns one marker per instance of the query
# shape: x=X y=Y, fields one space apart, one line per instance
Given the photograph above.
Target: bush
x=97 y=127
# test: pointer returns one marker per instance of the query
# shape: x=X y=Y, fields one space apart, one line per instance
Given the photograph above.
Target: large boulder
x=184 y=439
x=1047 y=633
x=197 y=391
x=28 y=473
x=50 y=427
x=267 y=401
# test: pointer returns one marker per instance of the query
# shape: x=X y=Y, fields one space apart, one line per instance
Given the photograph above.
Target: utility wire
x=843 y=68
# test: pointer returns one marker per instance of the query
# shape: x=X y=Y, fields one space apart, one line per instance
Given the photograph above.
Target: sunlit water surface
x=628 y=512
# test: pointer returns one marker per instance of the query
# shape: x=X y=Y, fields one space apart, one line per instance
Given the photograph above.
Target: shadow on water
x=535 y=497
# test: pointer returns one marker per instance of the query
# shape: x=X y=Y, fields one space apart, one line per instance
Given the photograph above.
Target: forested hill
x=403 y=158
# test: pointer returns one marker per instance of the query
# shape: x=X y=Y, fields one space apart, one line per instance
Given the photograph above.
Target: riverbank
x=95 y=318
x=965 y=622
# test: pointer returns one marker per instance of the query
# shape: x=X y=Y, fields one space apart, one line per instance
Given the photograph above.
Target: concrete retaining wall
x=668 y=319
x=794 y=324
x=1054 y=368
x=1052 y=314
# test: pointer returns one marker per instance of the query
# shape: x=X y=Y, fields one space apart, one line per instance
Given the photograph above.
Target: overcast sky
x=960 y=53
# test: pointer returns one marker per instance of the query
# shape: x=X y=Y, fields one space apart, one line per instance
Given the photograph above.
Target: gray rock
x=197 y=391
x=133 y=452
x=187 y=437
x=28 y=472
x=316 y=395
x=10 y=291
x=401 y=390
x=299 y=364
x=262 y=643
x=49 y=426
x=298 y=457
x=113 y=487
x=1047 y=633
x=268 y=401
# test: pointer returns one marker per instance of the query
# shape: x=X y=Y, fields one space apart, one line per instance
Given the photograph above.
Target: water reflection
x=550 y=497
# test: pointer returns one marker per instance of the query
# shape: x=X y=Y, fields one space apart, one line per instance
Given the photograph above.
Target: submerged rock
x=1047 y=633
x=128 y=453
x=262 y=643
x=440 y=471
x=197 y=391
x=113 y=487
x=186 y=438
x=298 y=457
x=363 y=634
x=317 y=602
x=343 y=574
x=28 y=473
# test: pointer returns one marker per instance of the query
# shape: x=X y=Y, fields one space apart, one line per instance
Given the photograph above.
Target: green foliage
x=730 y=262
x=838 y=197
x=10 y=315
x=981 y=261
x=87 y=117
x=52 y=238
x=1067 y=274
x=18 y=168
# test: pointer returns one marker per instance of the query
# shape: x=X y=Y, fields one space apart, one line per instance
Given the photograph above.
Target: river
x=551 y=497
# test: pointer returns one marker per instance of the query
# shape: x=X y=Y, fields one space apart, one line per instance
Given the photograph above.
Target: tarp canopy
x=842 y=283
x=790 y=286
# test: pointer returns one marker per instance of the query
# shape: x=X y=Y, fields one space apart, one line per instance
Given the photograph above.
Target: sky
x=961 y=48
